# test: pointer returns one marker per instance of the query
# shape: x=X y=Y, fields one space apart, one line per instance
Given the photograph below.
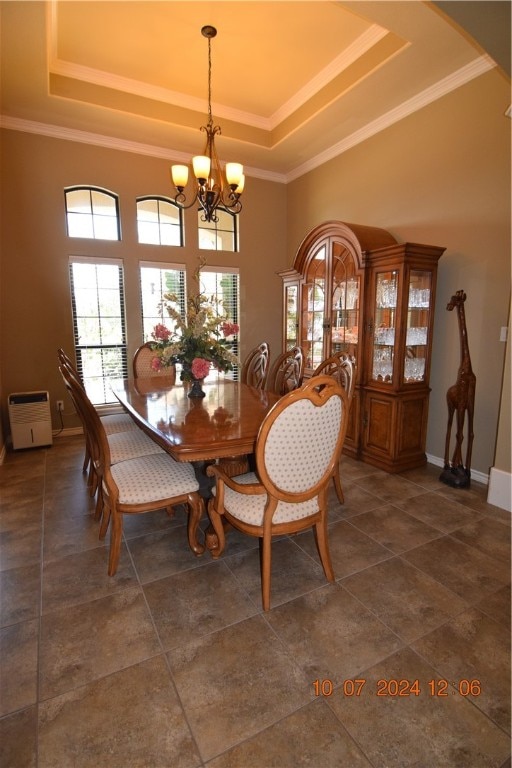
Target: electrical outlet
x=60 y=405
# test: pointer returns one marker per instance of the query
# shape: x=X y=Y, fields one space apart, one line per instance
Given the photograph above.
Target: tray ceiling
x=293 y=83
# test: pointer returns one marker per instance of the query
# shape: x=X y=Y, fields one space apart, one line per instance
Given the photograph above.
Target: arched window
x=159 y=221
x=92 y=213
x=221 y=235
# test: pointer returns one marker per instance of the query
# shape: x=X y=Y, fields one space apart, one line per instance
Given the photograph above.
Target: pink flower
x=156 y=364
x=161 y=332
x=228 y=329
x=200 y=367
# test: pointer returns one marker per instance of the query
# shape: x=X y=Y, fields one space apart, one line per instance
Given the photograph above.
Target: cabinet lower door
x=394 y=429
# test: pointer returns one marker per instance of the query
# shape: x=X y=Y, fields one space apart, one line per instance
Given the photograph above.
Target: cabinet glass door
x=291 y=298
x=313 y=312
x=345 y=313
x=418 y=322
x=386 y=289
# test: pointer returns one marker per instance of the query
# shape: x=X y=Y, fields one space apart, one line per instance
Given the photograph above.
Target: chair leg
x=195 y=513
x=99 y=504
x=87 y=459
x=217 y=523
x=116 y=531
x=105 y=520
x=322 y=543
x=266 y=568
x=337 y=484
x=92 y=480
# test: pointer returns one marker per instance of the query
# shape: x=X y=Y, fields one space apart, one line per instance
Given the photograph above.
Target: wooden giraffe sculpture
x=460 y=399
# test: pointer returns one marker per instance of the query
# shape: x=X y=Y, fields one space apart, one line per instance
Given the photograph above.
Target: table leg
x=206 y=482
x=196 y=510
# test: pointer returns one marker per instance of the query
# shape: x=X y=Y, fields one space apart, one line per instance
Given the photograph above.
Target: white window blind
x=157 y=279
x=223 y=284
x=97 y=299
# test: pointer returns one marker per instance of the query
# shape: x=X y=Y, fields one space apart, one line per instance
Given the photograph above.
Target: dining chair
x=287 y=371
x=254 y=372
x=342 y=367
x=298 y=444
x=130 y=444
x=133 y=486
x=142 y=364
x=255 y=367
x=114 y=422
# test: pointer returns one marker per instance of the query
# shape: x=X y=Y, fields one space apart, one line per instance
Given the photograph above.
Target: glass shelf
x=418 y=313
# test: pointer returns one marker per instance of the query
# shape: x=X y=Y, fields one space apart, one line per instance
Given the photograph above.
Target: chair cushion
x=117 y=422
x=150 y=478
x=250 y=508
x=300 y=444
x=130 y=445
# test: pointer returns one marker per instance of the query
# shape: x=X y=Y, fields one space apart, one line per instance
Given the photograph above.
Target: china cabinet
x=354 y=289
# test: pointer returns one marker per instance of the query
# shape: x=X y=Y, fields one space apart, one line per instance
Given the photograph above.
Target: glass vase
x=196 y=389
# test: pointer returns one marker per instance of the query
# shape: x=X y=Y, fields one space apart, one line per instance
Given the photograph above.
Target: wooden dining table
x=222 y=426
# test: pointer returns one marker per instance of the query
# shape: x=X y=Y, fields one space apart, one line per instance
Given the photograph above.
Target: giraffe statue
x=460 y=399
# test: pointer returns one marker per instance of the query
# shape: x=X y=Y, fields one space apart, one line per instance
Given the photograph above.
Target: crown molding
x=351 y=54
x=123 y=145
x=463 y=75
x=455 y=80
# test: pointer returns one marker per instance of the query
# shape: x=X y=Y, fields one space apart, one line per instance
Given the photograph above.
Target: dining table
x=221 y=427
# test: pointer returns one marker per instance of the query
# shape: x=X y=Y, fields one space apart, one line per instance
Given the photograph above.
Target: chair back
x=342 y=367
x=287 y=372
x=142 y=364
x=301 y=438
x=256 y=366
x=94 y=430
x=66 y=361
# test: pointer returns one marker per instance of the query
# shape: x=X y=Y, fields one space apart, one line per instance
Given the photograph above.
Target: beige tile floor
x=172 y=664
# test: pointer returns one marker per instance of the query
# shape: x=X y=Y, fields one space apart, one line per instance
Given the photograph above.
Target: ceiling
x=293 y=83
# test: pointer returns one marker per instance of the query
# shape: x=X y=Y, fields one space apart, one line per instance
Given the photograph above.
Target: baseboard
x=478 y=477
x=500 y=489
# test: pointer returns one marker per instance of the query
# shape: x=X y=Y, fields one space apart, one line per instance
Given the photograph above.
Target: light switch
x=503 y=333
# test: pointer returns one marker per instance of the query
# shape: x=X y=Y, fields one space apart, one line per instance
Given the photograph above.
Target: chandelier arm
x=180 y=199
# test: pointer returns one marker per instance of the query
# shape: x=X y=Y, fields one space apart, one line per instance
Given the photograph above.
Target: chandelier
x=211 y=192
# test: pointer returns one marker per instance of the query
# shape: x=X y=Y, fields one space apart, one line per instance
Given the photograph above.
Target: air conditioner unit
x=30 y=419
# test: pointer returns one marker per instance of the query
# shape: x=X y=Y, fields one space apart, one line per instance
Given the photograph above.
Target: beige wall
x=35 y=314
x=441 y=177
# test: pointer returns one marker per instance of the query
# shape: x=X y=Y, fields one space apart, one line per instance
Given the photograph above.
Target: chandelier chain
x=210 y=118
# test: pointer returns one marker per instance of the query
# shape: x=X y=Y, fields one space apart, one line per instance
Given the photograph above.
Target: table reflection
x=223 y=423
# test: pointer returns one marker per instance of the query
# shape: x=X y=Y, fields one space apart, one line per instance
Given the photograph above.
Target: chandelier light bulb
x=234 y=172
x=240 y=187
x=201 y=165
x=179 y=176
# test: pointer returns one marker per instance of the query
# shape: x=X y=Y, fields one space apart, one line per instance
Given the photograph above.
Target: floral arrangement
x=199 y=341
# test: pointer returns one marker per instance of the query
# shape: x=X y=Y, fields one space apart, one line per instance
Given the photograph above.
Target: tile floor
x=172 y=664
